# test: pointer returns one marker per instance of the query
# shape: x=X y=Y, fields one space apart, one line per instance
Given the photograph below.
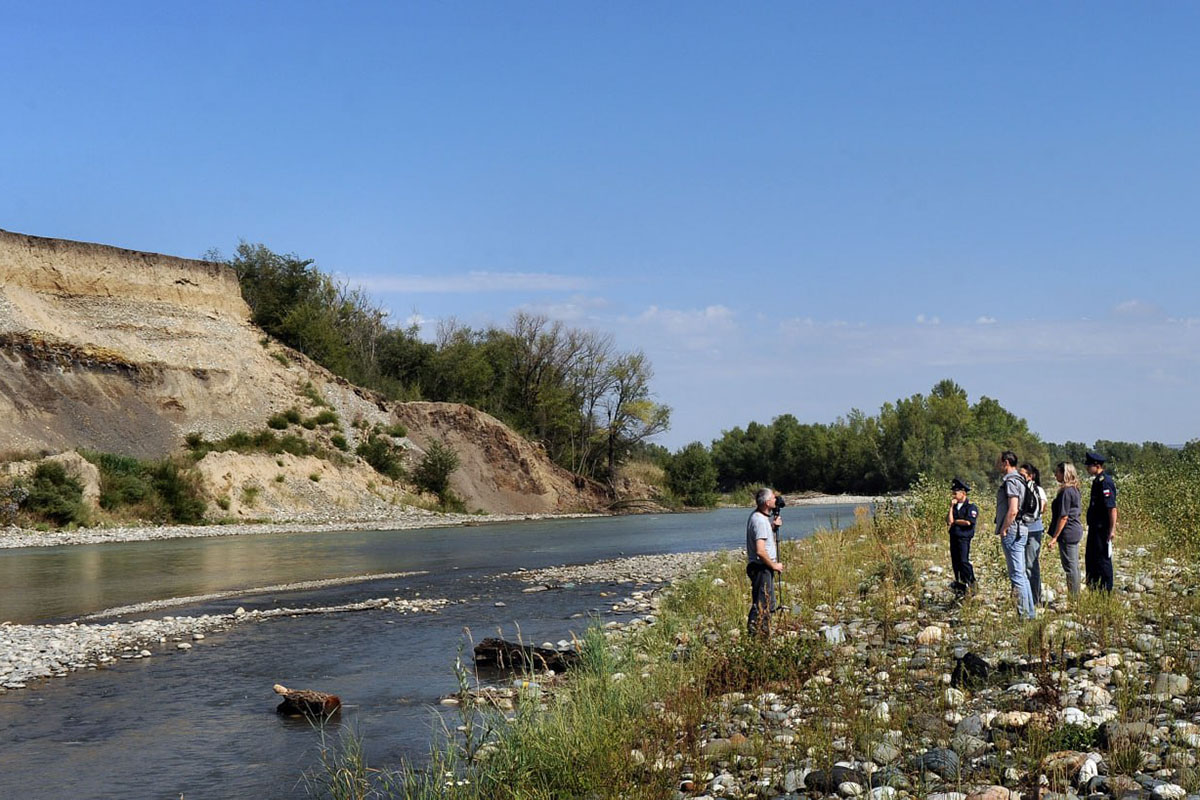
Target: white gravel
x=34 y=652
x=408 y=519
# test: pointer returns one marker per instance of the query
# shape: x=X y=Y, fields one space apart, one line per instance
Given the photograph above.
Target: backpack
x=1031 y=503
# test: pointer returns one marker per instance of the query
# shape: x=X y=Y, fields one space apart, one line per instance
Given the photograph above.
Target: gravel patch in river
x=409 y=519
x=35 y=652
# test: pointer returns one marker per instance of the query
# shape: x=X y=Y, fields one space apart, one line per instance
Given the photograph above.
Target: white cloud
x=575 y=310
x=924 y=320
x=1137 y=309
x=473 y=282
x=985 y=321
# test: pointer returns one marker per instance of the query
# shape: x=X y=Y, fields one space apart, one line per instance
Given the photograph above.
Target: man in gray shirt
x=762 y=562
x=1013 y=530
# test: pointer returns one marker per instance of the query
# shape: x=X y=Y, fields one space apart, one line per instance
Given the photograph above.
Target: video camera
x=779 y=503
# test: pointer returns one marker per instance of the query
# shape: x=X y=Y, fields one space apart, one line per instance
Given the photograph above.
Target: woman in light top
x=1065 y=528
x=1033 y=545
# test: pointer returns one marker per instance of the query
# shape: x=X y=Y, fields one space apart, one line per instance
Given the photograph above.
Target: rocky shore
x=923 y=695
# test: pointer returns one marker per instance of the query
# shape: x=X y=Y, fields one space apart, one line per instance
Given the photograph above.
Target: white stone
x=850 y=789
x=883 y=793
x=834 y=634
x=1088 y=771
x=881 y=713
x=183 y=646
x=1170 y=791
x=1073 y=716
x=931 y=635
x=718 y=582
x=954 y=697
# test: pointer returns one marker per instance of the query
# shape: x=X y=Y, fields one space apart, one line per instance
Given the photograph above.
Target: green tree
x=691 y=475
x=630 y=415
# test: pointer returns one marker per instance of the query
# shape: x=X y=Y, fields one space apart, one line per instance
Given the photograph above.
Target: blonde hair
x=1070 y=476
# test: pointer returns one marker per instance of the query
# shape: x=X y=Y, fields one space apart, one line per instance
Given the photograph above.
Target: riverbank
x=866 y=689
x=409 y=519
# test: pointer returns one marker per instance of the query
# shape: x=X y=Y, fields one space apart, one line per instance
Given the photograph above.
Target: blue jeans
x=1014 y=557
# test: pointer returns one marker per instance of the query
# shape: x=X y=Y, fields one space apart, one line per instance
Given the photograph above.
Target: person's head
x=1031 y=473
x=1094 y=462
x=1007 y=462
x=958 y=490
x=1065 y=473
x=764 y=499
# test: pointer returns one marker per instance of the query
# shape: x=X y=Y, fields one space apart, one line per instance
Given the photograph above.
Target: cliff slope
x=128 y=352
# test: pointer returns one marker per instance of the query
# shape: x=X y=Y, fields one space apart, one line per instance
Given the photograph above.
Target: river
x=201 y=724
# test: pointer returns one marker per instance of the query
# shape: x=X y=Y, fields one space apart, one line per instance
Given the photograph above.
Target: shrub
x=397 y=430
x=194 y=440
x=434 y=471
x=339 y=441
x=277 y=421
x=12 y=495
x=326 y=417
x=123 y=480
x=55 y=496
x=223 y=503
x=179 y=494
x=315 y=477
x=280 y=357
x=250 y=494
x=381 y=455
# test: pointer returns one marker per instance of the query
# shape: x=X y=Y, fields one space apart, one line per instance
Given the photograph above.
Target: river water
x=201 y=724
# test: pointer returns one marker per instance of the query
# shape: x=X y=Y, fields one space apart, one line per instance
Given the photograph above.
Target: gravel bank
x=408 y=519
x=634 y=569
x=34 y=652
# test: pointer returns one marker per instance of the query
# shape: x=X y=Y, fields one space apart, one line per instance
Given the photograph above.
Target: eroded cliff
x=128 y=352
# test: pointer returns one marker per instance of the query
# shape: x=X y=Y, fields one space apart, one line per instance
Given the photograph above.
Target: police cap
x=1093 y=457
x=958 y=485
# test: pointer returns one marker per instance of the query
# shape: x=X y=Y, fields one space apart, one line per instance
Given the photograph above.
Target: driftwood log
x=305 y=703
x=499 y=654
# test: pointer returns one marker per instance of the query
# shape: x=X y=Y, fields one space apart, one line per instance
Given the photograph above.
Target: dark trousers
x=1097 y=562
x=762 y=598
x=960 y=559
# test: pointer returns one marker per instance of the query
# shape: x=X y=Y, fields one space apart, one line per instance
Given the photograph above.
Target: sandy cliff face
x=128 y=352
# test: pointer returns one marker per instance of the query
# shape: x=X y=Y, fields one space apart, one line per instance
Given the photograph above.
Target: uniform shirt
x=1104 y=497
x=968 y=511
x=759 y=527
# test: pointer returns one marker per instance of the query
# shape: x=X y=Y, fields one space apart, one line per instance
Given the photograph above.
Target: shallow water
x=202 y=723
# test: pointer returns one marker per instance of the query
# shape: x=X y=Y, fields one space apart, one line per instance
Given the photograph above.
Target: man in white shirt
x=762 y=562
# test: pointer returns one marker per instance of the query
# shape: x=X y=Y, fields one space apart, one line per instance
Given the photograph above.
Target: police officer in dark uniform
x=1101 y=523
x=962 y=517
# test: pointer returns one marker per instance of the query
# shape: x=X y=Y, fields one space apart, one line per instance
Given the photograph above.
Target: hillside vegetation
x=570 y=390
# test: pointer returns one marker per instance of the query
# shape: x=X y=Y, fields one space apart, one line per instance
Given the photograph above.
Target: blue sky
x=791 y=207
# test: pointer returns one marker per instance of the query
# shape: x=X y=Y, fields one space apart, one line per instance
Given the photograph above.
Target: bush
x=12 y=495
x=434 y=471
x=382 y=455
x=123 y=479
x=179 y=495
x=397 y=430
x=56 y=496
x=326 y=417
x=692 y=476
x=339 y=441
x=277 y=421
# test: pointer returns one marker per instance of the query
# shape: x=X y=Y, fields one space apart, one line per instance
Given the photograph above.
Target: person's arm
x=760 y=547
x=1112 y=523
x=1014 y=504
x=950 y=516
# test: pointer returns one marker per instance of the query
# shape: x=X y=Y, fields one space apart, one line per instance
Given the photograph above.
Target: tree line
x=589 y=404
x=940 y=435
